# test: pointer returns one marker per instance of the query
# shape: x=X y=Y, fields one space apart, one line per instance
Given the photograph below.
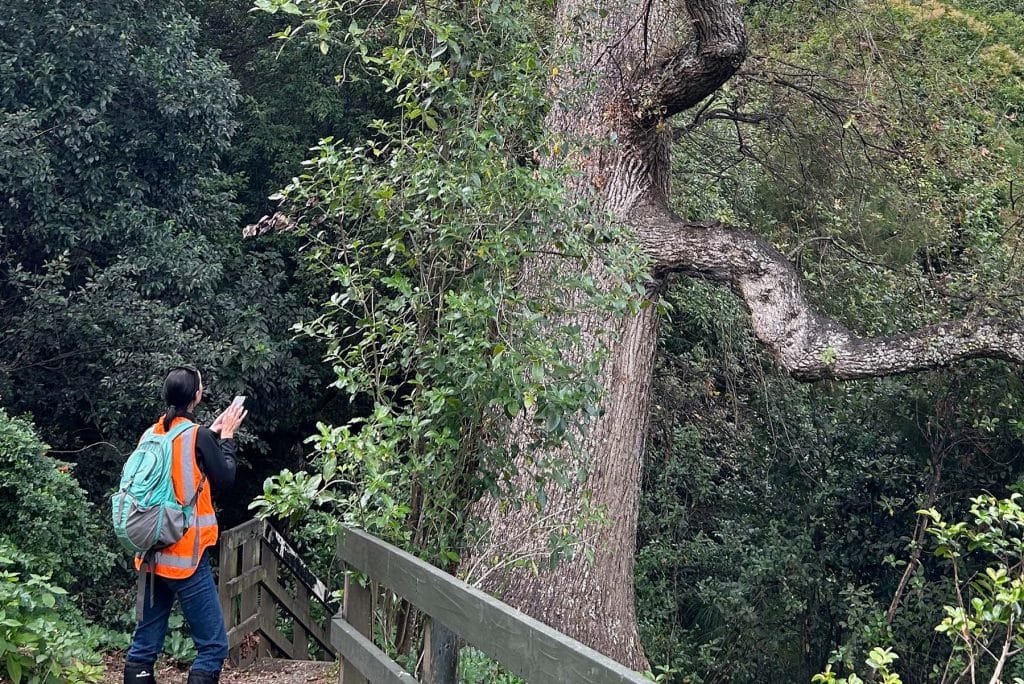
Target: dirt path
x=262 y=672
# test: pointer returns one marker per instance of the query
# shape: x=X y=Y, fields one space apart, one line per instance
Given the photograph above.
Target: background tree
x=778 y=518
x=121 y=254
x=313 y=97
x=45 y=516
x=645 y=77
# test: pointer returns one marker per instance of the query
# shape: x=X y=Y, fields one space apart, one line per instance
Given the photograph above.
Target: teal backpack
x=146 y=514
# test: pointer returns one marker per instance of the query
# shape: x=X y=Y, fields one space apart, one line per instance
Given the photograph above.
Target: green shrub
x=475 y=666
x=43 y=511
x=38 y=644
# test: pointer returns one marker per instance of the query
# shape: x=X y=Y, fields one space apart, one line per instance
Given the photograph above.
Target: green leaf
x=14 y=670
x=330 y=467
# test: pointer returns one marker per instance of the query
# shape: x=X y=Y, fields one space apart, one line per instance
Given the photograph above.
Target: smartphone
x=238 y=400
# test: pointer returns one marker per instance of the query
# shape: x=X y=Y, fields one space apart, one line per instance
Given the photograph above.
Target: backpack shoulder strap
x=178 y=430
x=145 y=435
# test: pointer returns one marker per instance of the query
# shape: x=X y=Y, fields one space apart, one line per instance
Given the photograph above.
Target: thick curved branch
x=685 y=76
x=807 y=344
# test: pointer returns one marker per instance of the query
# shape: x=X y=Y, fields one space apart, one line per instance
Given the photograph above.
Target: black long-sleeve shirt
x=215 y=457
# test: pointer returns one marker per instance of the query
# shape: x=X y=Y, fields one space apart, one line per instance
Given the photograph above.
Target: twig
x=89 y=446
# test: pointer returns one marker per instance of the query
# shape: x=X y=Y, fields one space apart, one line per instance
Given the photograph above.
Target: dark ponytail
x=180 y=389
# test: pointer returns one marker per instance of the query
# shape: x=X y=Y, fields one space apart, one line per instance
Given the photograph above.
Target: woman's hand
x=229 y=421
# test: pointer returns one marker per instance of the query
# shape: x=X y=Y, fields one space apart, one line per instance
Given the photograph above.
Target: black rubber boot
x=200 y=677
x=139 y=673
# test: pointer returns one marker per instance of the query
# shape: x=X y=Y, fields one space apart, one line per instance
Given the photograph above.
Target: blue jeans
x=201 y=608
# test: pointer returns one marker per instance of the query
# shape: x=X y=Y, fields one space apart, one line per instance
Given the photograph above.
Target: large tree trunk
x=639 y=63
x=593 y=601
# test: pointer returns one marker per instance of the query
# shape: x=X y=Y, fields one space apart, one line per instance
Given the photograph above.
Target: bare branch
x=87 y=446
x=795 y=252
x=685 y=76
x=719 y=115
x=807 y=344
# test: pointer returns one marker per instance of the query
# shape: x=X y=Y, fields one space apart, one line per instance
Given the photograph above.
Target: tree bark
x=632 y=74
x=808 y=345
x=637 y=66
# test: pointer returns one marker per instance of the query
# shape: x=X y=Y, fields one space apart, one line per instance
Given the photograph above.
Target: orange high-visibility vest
x=180 y=559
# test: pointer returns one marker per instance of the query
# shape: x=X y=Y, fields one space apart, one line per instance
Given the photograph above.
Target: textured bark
x=639 y=65
x=805 y=343
x=687 y=74
x=591 y=602
x=632 y=58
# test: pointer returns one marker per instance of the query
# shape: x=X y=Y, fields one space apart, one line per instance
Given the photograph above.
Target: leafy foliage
x=985 y=623
x=44 y=512
x=878 y=661
x=289 y=98
x=424 y=232
x=121 y=254
x=37 y=644
x=475 y=666
x=778 y=518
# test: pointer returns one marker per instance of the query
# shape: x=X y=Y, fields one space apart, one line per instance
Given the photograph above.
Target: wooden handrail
x=251 y=557
x=527 y=647
x=251 y=594
x=287 y=555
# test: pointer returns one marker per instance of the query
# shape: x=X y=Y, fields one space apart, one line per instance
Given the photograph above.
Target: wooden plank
x=357 y=612
x=236 y=536
x=441 y=654
x=250 y=563
x=268 y=608
x=531 y=649
x=273 y=634
x=238 y=633
x=245 y=581
x=284 y=551
x=295 y=609
x=299 y=636
x=227 y=569
x=372 y=663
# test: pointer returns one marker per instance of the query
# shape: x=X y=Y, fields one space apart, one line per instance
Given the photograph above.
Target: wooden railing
x=257 y=566
x=530 y=649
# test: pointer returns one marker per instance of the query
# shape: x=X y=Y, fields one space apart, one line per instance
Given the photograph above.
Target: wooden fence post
x=227 y=569
x=441 y=651
x=268 y=609
x=252 y=599
x=299 y=636
x=357 y=610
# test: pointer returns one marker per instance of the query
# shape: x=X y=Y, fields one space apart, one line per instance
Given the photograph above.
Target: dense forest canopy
x=544 y=294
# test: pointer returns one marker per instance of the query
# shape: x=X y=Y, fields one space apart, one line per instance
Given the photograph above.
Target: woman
x=182 y=570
